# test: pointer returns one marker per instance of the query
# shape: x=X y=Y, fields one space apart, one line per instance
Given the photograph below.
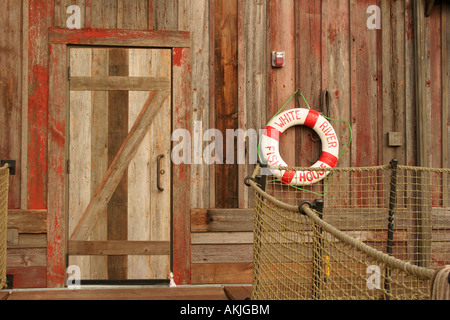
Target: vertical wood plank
x=364 y=99
x=433 y=29
x=422 y=115
x=281 y=81
x=165 y=14
x=160 y=133
x=56 y=236
x=242 y=114
x=308 y=78
x=117 y=132
x=225 y=39
x=39 y=19
x=61 y=15
x=132 y=14
x=139 y=205
x=150 y=15
x=212 y=110
x=80 y=115
x=410 y=112
x=446 y=95
x=434 y=82
x=364 y=77
x=393 y=79
x=308 y=75
x=24 y=133
x=338 y=81
x=252 y=83
x=99 y=155
x=181 y=173
x=445 y=44
x=193 y=16
x=10 y=95
x=102 y=13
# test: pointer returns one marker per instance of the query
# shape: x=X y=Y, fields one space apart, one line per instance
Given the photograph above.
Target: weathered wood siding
x=367 y=73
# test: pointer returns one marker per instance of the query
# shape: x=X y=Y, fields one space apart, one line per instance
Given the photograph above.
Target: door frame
x=59 y=41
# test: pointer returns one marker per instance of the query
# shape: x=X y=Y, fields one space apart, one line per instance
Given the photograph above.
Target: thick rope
x=440 y=284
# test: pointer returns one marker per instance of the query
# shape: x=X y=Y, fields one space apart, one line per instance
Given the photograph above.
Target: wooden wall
x=367 y=73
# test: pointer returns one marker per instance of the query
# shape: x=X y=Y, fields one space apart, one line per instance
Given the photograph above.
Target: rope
x=440 y=284
x=420 y=272
x=4 y=184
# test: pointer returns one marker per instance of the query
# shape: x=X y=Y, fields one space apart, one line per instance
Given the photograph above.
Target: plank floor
x=178 y=293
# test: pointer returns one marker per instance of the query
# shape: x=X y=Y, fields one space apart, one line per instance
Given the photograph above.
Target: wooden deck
x=117 y=293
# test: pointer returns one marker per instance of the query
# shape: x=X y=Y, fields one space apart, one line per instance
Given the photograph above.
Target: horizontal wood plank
x=4 y=295
x=221 y=238
x=211 y=273
x=28 y=240
x=28 y=277
x=222 y=253
x=222 y=220
x=119 y=247
x=28 y=221
x=241 y=220
x=177 y=293
x=26 y=257
x=119 y=83
x=123 y=38
x=238 y=292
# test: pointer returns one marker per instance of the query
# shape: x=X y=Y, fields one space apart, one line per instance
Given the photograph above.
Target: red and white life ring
x=269 y=146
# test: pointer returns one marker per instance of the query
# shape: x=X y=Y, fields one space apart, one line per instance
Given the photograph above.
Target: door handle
x=159 y=172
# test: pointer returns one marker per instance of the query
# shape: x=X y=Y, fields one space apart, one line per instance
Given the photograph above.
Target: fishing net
x=4 y=183
x=361 y=233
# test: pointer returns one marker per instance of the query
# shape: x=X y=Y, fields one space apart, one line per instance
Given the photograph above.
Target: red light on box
x=278 y=59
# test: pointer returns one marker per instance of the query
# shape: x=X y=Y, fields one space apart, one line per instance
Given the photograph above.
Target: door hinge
x=68 y=166
x=68 y=73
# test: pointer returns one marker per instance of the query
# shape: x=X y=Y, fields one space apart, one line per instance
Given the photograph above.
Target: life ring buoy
x=269 y=145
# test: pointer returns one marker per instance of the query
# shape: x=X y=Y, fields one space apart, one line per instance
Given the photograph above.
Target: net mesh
x=4 y=184
x=382 y=233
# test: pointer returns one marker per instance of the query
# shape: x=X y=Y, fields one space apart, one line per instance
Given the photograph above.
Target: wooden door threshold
x=117 y=293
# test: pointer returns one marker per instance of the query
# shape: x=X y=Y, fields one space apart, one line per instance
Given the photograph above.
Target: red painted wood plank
x=56 y=236
x=181 y=173
x=309 y=75
x=40 y=19
x=281 y=81
x=364 y=86
x=28 y=277
x=364 y=100
x=111 y=37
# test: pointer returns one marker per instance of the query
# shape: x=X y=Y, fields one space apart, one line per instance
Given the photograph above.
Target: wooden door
x=108 y=88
